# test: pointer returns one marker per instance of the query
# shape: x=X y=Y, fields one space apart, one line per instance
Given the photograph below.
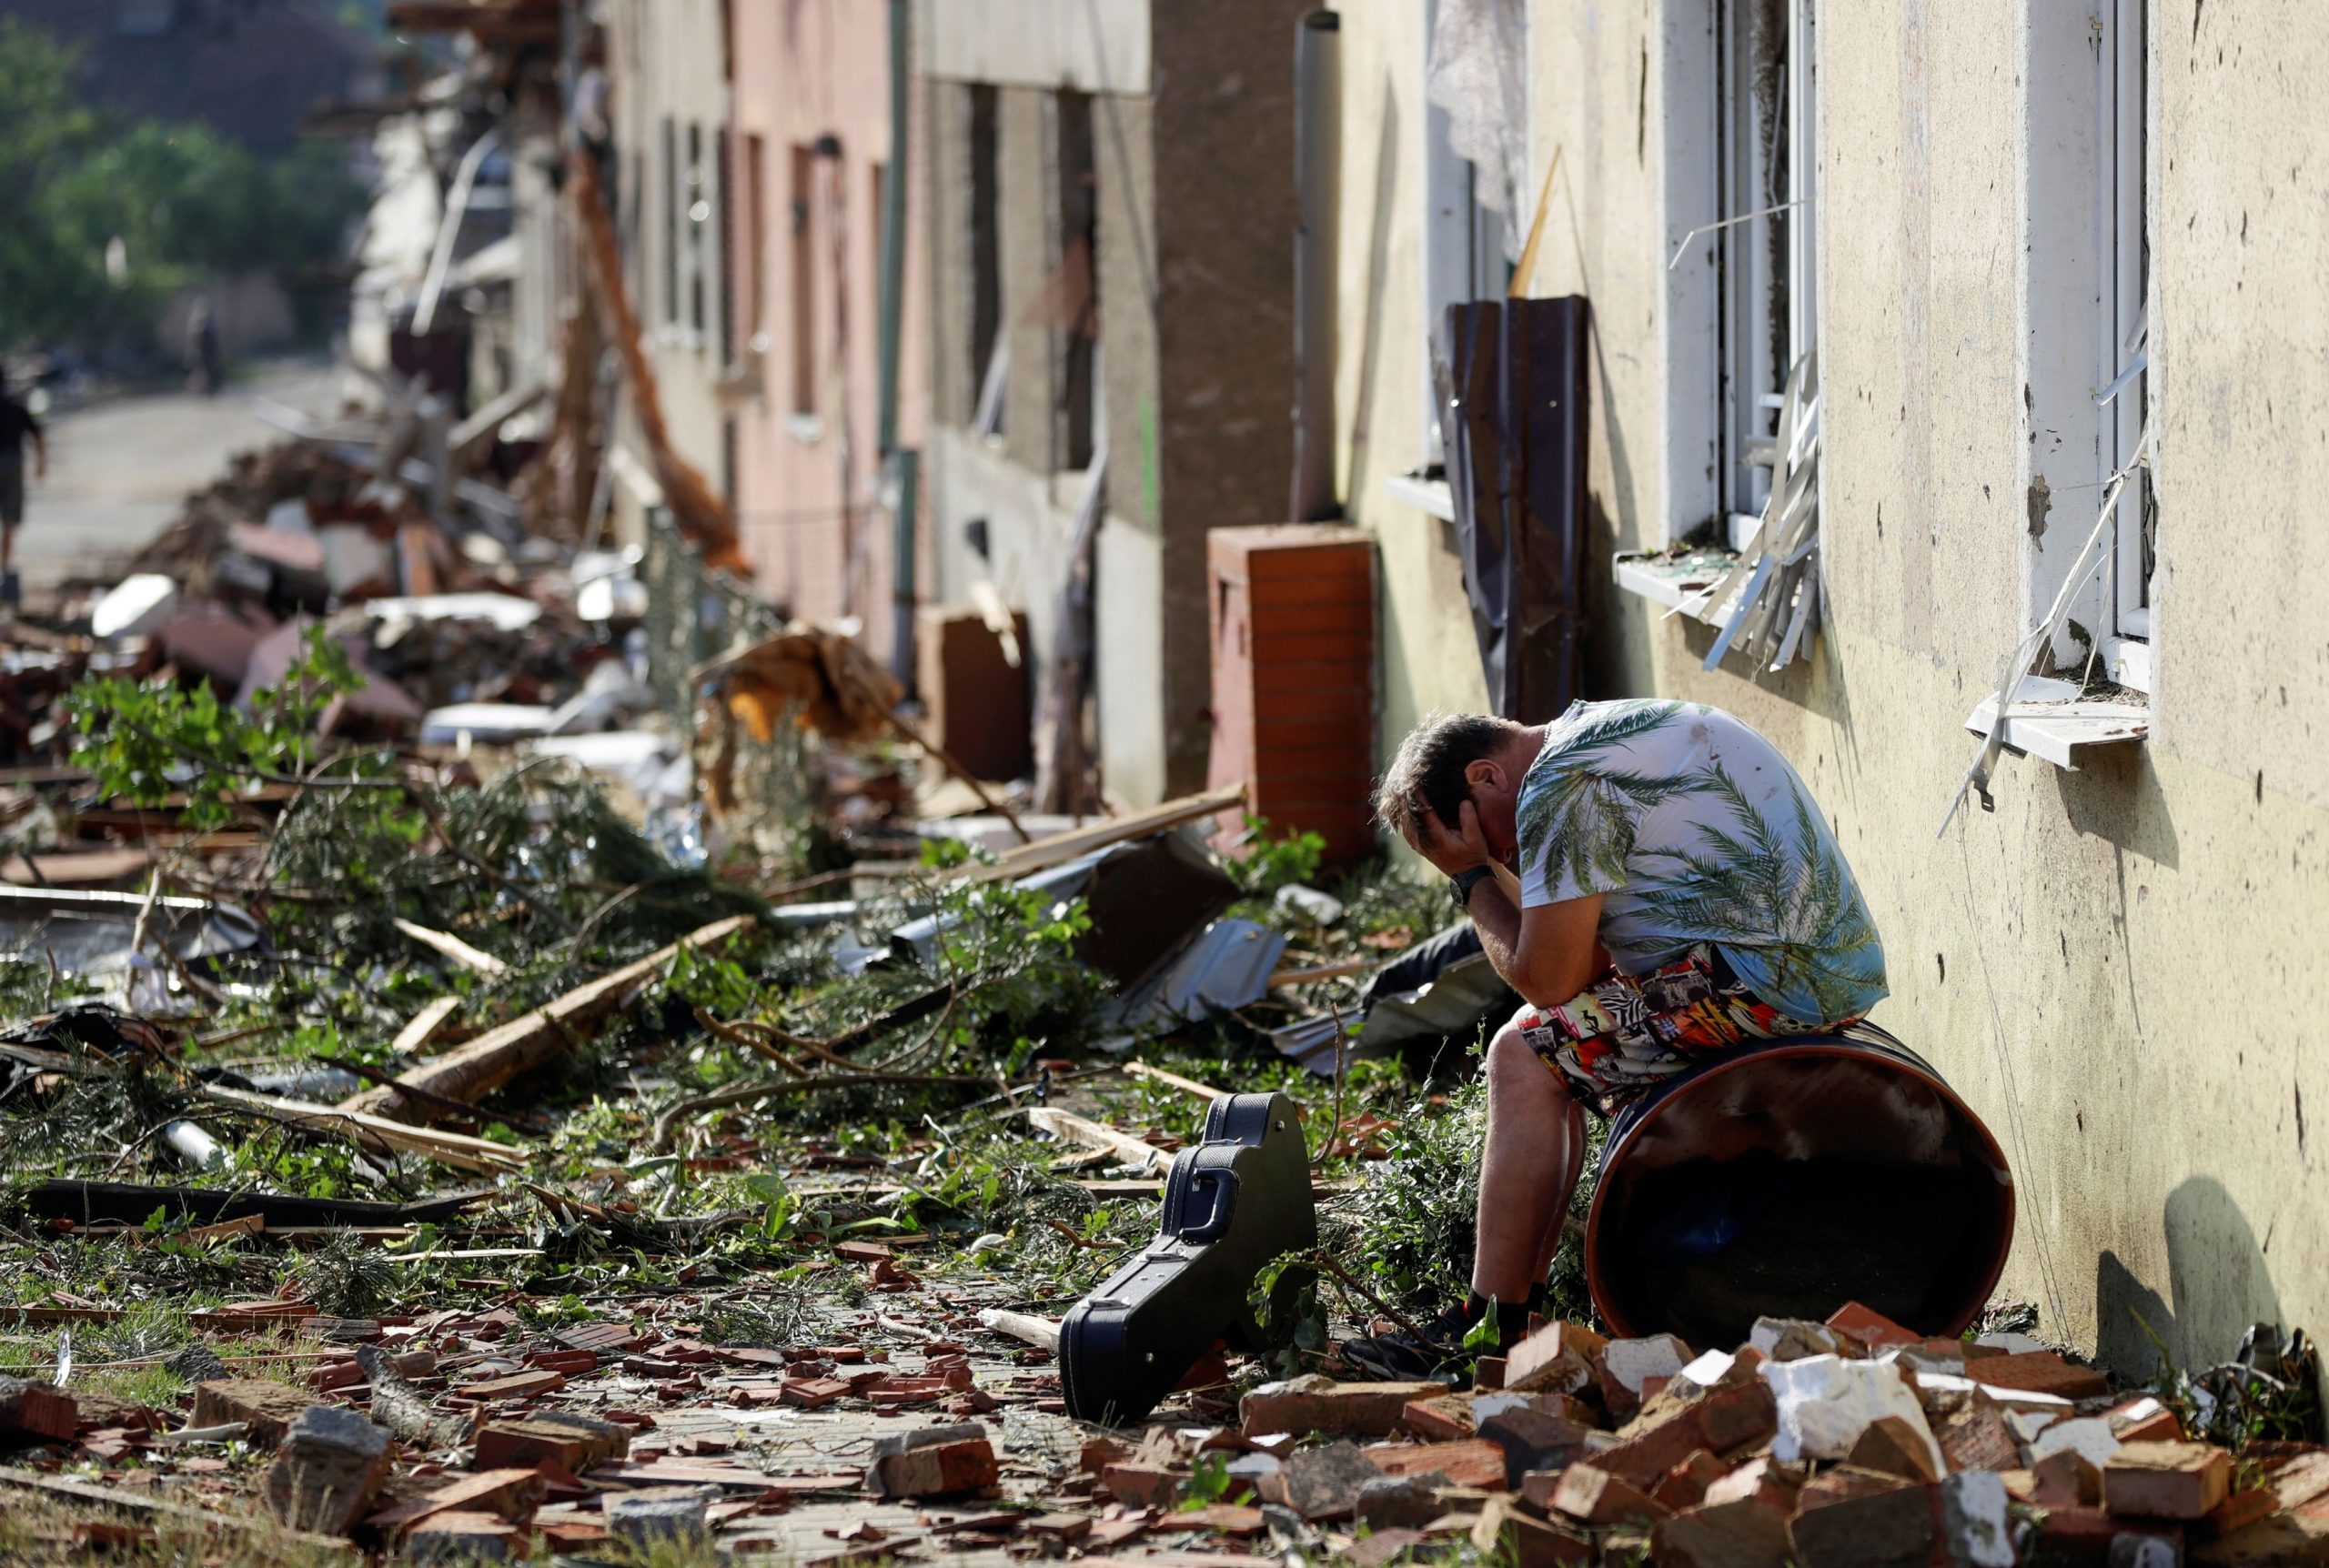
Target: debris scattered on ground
x=440 y=1125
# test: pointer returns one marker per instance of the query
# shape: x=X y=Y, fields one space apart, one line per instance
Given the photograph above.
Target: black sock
x=1511 y=1317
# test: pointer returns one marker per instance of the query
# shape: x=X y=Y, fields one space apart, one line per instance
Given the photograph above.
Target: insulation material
x=1478 y=75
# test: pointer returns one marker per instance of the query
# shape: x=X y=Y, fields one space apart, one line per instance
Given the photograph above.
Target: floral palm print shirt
x=1695 y=830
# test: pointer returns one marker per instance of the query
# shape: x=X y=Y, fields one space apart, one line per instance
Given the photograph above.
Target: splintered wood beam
x=469 y=1072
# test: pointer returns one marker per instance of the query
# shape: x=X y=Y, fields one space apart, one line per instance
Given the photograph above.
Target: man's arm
x=40 y=453
x=1548 y=954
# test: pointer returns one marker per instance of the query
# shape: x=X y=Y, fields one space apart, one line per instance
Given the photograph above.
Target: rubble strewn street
x=432 y=1140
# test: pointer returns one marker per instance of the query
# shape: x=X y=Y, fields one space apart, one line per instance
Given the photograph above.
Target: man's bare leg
x=1535 y=1146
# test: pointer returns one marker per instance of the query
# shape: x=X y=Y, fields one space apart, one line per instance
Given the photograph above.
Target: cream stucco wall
x=2115 y=965
x=1428 y=654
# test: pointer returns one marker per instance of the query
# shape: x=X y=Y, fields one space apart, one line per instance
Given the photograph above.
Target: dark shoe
x=11 y=593
x=1401 y=1357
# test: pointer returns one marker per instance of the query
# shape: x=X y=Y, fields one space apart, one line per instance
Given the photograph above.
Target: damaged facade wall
x=2115 y=967
x=1190 y=141
x=667 y=69
x=812 y=110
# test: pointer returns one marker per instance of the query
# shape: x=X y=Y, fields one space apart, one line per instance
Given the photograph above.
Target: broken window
x=985 y=247
x=1764 y=60
x=1076 y=213
x=2123 y=320
x=800 y=258
x=1464 y=236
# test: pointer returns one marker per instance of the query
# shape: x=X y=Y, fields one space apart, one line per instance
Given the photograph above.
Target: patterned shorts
x=1627 y=1033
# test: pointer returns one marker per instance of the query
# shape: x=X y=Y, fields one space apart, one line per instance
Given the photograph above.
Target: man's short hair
x=1427 y=772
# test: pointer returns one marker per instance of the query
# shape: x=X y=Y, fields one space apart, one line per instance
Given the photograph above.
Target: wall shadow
x=2115 y=796
x=2219 y=1284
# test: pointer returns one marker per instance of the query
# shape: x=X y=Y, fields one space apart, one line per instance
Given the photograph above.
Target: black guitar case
x=1232 y=1204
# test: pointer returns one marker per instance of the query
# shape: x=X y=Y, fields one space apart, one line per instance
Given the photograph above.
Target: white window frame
x=1724 y=390
x=2123 y=136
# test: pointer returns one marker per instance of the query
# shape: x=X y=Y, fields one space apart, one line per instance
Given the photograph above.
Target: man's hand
x=1453 y=853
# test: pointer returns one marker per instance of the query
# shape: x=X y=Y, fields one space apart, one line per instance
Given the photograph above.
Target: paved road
x=118 y=470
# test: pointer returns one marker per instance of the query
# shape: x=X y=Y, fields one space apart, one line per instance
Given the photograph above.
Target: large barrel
x=1788 y=1177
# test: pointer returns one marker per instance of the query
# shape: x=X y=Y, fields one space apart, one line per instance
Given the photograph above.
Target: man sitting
x=1655 y=881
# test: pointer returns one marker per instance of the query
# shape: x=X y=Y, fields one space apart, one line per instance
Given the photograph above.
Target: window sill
x=806 y=428
x=1428 y=495
x=1684 y=584
x=2050 y=720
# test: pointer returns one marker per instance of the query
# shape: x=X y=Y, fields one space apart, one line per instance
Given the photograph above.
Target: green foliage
x=148 y=740
x=1268 y=864
x=346 y=1276
x=184 y=203
x=1210 y=1483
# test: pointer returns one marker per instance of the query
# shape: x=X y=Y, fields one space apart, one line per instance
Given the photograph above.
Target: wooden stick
x=470 y=1072
x=424 y=1025
x=1041 y=1332
x=376 y=1133
x=1089 y=1134
x=1321 y=971
x=1062 y=848
x=453 y=948
x=1205 y=1092
x=130 y=1502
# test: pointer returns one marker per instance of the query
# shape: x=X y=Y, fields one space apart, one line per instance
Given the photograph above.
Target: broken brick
x=1561 y=1357
x=517 y=1385
x=1961 y=1520
x=1869 y=1330
x=266 y=1408
x=1596 y=1497
x=2166 y=1480
x=37 y=1410
x=1306 y=1405
x=936 y=1470
x=577 y=1441
x=1722 y=1423
x=1976 y=1437
x=2066 y=1479
x=1745 y=1534
x=1440 y=1419
x=1685 y=1485
x=1323 y=1483
x=1477 y=1461
x=1890 y=1446
x=1502 y=1530
x=328 y=1469
x=2041 y=1371
x=1531 y=1440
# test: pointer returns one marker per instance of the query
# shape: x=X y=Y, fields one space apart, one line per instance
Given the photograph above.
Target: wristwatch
x=1465 y=881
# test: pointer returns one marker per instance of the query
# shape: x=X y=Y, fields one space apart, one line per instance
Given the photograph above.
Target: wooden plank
x=424 y=1026
x=1205 y=1092
x=1089 y=1134
x=470 y=1072
x=1062 y=848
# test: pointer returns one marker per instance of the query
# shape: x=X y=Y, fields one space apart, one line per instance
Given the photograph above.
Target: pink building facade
x=810 y=161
